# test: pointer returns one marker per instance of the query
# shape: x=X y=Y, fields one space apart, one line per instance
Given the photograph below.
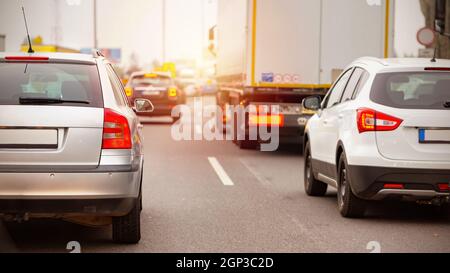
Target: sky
x=135 y=26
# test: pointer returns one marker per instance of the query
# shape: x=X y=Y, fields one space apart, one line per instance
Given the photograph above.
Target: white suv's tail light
x=116 y=131
x=369 y=120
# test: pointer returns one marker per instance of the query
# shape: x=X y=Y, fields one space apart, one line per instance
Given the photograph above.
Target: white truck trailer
x=280 y=51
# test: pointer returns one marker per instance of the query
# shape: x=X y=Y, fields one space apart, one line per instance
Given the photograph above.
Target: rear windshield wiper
x=49 y=101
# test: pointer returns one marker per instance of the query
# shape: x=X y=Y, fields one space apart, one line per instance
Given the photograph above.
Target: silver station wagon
x=70 y=146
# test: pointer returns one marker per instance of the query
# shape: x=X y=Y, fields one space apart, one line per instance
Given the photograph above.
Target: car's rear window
x=69 y=82
x=412 y=90
x=151 y=80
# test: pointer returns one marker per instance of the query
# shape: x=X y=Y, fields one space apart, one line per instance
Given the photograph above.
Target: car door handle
x=325 y=121
x=341 y=116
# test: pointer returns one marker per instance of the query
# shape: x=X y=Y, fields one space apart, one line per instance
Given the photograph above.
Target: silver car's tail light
x=116 y=131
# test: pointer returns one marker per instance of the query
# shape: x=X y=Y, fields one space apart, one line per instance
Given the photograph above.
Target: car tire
x=313 y=187
x=349 y=205
x=127 y=228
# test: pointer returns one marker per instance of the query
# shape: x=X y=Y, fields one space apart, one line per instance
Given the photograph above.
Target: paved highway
x=202 y=196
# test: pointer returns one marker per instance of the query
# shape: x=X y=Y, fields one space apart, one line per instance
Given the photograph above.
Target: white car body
x=383 y=156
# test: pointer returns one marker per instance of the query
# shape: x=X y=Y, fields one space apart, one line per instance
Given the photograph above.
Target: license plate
x=28 y=138
x=434 y=136
x=150 y=93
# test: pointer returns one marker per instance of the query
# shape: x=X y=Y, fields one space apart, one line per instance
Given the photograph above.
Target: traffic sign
x=426 y=36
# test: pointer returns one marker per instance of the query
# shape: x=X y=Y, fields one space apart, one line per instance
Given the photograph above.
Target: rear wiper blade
x=447 y=104
x=49 y=101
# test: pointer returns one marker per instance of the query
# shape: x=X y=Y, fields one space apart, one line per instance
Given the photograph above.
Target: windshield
x=66 y=82
x=156 y=81
x=412 y=90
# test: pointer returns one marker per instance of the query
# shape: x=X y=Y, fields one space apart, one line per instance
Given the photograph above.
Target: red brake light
x=267 y=120
x=437 y=68
x=443 y=187
x=394 y=186
x=116 y=131
x=369 y=120
x=26 y=58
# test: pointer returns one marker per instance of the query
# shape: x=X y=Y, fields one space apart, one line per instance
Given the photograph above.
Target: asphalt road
x=188 y=208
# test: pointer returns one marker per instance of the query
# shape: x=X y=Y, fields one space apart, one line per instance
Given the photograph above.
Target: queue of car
x=71 y=140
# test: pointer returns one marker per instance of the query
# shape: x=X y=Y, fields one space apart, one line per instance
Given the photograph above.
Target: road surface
x=201 y=196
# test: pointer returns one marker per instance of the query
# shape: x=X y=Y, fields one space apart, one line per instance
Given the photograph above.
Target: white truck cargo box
x=298 y=43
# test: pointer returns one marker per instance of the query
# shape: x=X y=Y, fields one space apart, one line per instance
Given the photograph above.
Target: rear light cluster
x=369 y=120
x=129 y=91
x=397 y=186
x=267 y=120
x=393 y=186
x=116 y=131
x=172 y=92
x=443 y=187
x=26 y=58
x=264 y=118
x=437 y=68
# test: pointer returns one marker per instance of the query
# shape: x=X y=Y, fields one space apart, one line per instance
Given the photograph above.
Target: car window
x=75 y=82
x=352 y=83
x=116 y=85
x=412 y=90
x=336 y=92
x=151 y=80
x=362 y=81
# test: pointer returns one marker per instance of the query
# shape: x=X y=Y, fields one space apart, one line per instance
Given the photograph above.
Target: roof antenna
x=433 y=60
x=30 y=48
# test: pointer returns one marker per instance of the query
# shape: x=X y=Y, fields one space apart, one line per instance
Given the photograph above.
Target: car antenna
x=30 y=48
x=433 y=60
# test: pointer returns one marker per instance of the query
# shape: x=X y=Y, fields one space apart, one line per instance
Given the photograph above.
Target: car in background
x=206 y=87
x=382 y=132
x=159 y=87
x=191 y=90
x=186 y=77
x=70 y=146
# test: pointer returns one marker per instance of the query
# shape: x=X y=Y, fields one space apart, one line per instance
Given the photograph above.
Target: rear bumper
x=293 y=129
x=368 y=182
x=69 y=186
x=65 y=208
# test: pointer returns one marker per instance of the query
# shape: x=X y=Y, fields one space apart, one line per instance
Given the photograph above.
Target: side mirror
x=143 y=106
x=311 y=103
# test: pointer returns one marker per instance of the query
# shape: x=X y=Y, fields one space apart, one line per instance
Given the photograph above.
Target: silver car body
x=102 y=181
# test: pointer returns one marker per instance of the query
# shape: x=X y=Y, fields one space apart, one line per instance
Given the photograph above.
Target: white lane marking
x=223 y=176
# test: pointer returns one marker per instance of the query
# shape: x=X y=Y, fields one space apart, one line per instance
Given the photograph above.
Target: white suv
x=382 y=131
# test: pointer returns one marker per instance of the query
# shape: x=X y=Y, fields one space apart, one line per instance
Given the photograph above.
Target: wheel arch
x=339 y=151
x=305 y=139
